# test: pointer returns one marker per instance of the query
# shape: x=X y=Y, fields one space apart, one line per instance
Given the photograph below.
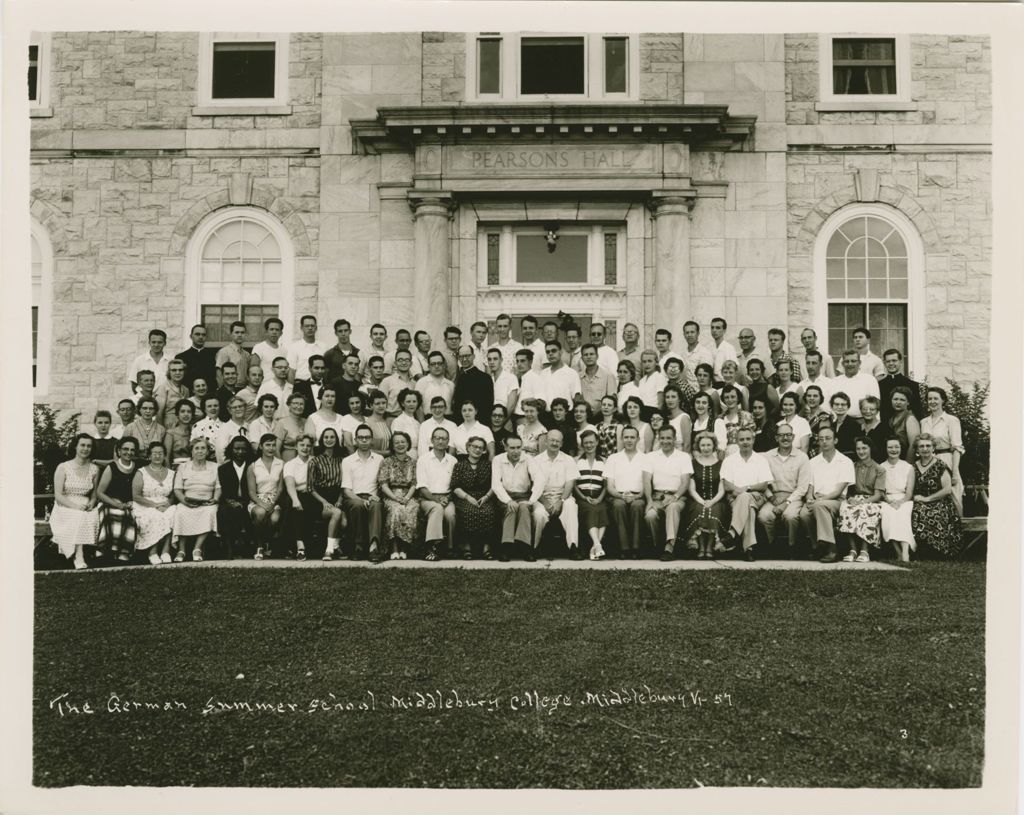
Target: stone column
x=431 y=278
x=671 y=211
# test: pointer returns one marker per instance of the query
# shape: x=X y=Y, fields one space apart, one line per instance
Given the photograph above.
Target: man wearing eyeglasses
x=607 y=358
x=435 y=383
x=790 y=476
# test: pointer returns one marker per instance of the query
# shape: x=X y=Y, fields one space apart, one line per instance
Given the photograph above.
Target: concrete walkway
x=492 y=565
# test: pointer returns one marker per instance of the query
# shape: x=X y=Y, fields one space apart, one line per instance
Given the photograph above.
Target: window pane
x=854 y=228
x=243 y=70
x=835 y=289
x=855 y=289
x=33 y=72
x=567 y=264
x=888 y=325
x=493 y=247
x=488 y=60
x=877 y=268
x=859 y=248
x=611 y=258
x=835 y=268
x=552 y=65
x=217 y=318
x=878 y=289
x=864 y=66
x=856 y=268
x=615 y=64
x=898 y=288
x=837 y=245
x=877 y=228
x=894 y=243
x=254 y=316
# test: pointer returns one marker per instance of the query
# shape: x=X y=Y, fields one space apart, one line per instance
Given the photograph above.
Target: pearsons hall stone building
x=792 y=181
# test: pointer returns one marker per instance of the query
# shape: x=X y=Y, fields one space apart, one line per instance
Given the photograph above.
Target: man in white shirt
x=747 y=352
x=234 y=426
x=511 y=485
x=830 y=474
x=667 y=474
x=663 y=345
x=248 y=394
x=607 y=357
x=624 y=479
x=595 y=382
x=694 y=354
x=398 y=380
x=434 y=484
x=791 y=473
x=478 y=339
x=724 y=350
x=572 y=355
x=854 y=383
x=378 y=336
x=530 y=384
x=630 y=344
x=554 y=474
x=869 y=363
x=651 y=384
x=506 y=386
x=271 y=347
x=362 y=500
x=403 y=342
x=436 y=383
x=153 y=359
x=438 y=408
x=813 y=360
x=235 y=352
x=528 y=328
x=508 y=346
x=303 y=348
x=809 y=340
x=557 y=380
x=125 y=416
x=278 y=385
x=747 y=476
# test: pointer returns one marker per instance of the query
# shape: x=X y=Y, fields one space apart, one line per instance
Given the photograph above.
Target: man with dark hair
x=233 y=512
x=607 y=357
x=572 y=354
x=403 y=342
x=894 y=377
x=312 y=389
x=505 y=343
x=814 y=362
x=452 y=341
x=724 y=351
x=435 y=383
x=300 y=351
x=229 y=387
x=336 y=355
x=663 y=345
x=153 y=359
x=434 y=486
x=869 y=363
x=421 y=356
x=200 y=361
x=278 y=385
x=362 y=496
x=695 y=354
x=830 y=474
x=595 y=382
x=347 y=384
x=266 y=351
x=809 y=340
x=398 y=380
x=235 y=353
x=778 y=353
x=528 y=327
x=378 y=336
x=473 y=385
x=478 y=339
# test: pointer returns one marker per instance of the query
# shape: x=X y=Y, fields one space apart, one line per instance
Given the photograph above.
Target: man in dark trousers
x=200 y=361
x=312 y=389
x=893 y=378
x=233 y=512
x=473 y=385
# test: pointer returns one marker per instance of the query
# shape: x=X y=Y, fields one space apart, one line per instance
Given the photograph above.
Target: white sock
x=332 y=544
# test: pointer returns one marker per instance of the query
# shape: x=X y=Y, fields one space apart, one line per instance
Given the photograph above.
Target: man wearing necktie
x=894 y=377
x=312 y=389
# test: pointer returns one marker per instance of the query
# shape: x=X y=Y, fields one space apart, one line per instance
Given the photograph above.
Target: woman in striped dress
x=378 y=422
x=117 y=525
x=74 y=521
x=590 y=491
x=324 y=480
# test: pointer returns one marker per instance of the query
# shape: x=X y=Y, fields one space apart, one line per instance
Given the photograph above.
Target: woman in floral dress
x=74 y=521
x=397 y=481
x=734 y=417
x=860 y=513
x=152 y=493
x=934 y=520
x=471 y=490
x=817 y=416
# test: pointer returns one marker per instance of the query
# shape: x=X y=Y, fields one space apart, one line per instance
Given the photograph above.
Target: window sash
x=243 y=70
x=33 y=73
x=217 y=317
x=499 y=261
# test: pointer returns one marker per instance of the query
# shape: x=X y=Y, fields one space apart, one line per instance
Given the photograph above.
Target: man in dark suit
x=200 y=361
x=893 y=378
x=312 y=389
x=472 y=385
x=233 y=512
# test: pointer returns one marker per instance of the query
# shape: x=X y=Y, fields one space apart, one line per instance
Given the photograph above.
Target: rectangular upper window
x=864 y=72
x=521 y=254
x=557 y=67
x=243 y=70
x=39 y=74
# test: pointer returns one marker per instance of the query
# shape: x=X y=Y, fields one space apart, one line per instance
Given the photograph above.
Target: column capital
x=431 y=202
x=672 y=202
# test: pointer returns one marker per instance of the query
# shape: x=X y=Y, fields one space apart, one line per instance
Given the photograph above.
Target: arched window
x=42 y=298
x=869 y=268
x=240 y=267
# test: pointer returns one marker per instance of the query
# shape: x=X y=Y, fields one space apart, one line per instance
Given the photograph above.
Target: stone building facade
x=411 y=179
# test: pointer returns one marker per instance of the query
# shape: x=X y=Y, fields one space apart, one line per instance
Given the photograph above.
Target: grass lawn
x=833 y=679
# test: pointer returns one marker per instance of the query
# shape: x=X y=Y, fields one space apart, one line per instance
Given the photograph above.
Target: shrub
x=51 y=441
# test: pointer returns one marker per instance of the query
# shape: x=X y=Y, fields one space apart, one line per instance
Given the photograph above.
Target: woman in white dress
x=74 y=522
x=152 y=499
x=265 y=482
x=789 y=407
x=898 y=503
x=326 y=416
x=626 y=373
x=197 y=489
x=469 y=428
x=677 y=417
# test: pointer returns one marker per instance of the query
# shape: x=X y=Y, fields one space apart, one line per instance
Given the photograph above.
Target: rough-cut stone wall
x=661 y=68
x=366 y=232
x=738 y=241
x=951 y=83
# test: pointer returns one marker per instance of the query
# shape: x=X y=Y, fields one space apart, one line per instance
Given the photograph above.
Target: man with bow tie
x=312 y=389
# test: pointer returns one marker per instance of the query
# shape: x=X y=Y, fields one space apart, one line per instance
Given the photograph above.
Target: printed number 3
x=903 y=733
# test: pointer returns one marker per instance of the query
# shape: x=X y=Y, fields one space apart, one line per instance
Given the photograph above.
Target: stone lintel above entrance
x=706 y=127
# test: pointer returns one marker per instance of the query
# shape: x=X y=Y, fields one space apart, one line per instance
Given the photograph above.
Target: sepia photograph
x=423 y=407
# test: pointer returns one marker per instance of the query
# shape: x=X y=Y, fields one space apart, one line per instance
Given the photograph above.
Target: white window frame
x=45 y=305
x=194 y=256
x=205 y=90
x=40 y=106
x=916 y=358
x=593 y=55
x=829 y=101
x=595 y=254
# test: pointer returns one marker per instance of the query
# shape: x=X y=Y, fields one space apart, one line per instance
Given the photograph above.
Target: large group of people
x=473 y=450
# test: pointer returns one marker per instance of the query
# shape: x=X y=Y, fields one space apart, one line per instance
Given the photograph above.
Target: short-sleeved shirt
x=267 y=355
x=563 y=383
x=856 y=387
x=868 y=477
x=239 y=356
x=435 y=474
x=298 y=470
x=531 y=387
x=742 y=472
x=359 y=474
x=667 y=471
x=625 y=474
x=430 y=387
x=462 y=434
x=650 y=386
x=827 y=475
x=503 y=387
x=427 y=428
x=551 y=475
x=299 y=353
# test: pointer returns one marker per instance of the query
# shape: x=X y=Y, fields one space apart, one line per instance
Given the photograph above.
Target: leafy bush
x=51 y=441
